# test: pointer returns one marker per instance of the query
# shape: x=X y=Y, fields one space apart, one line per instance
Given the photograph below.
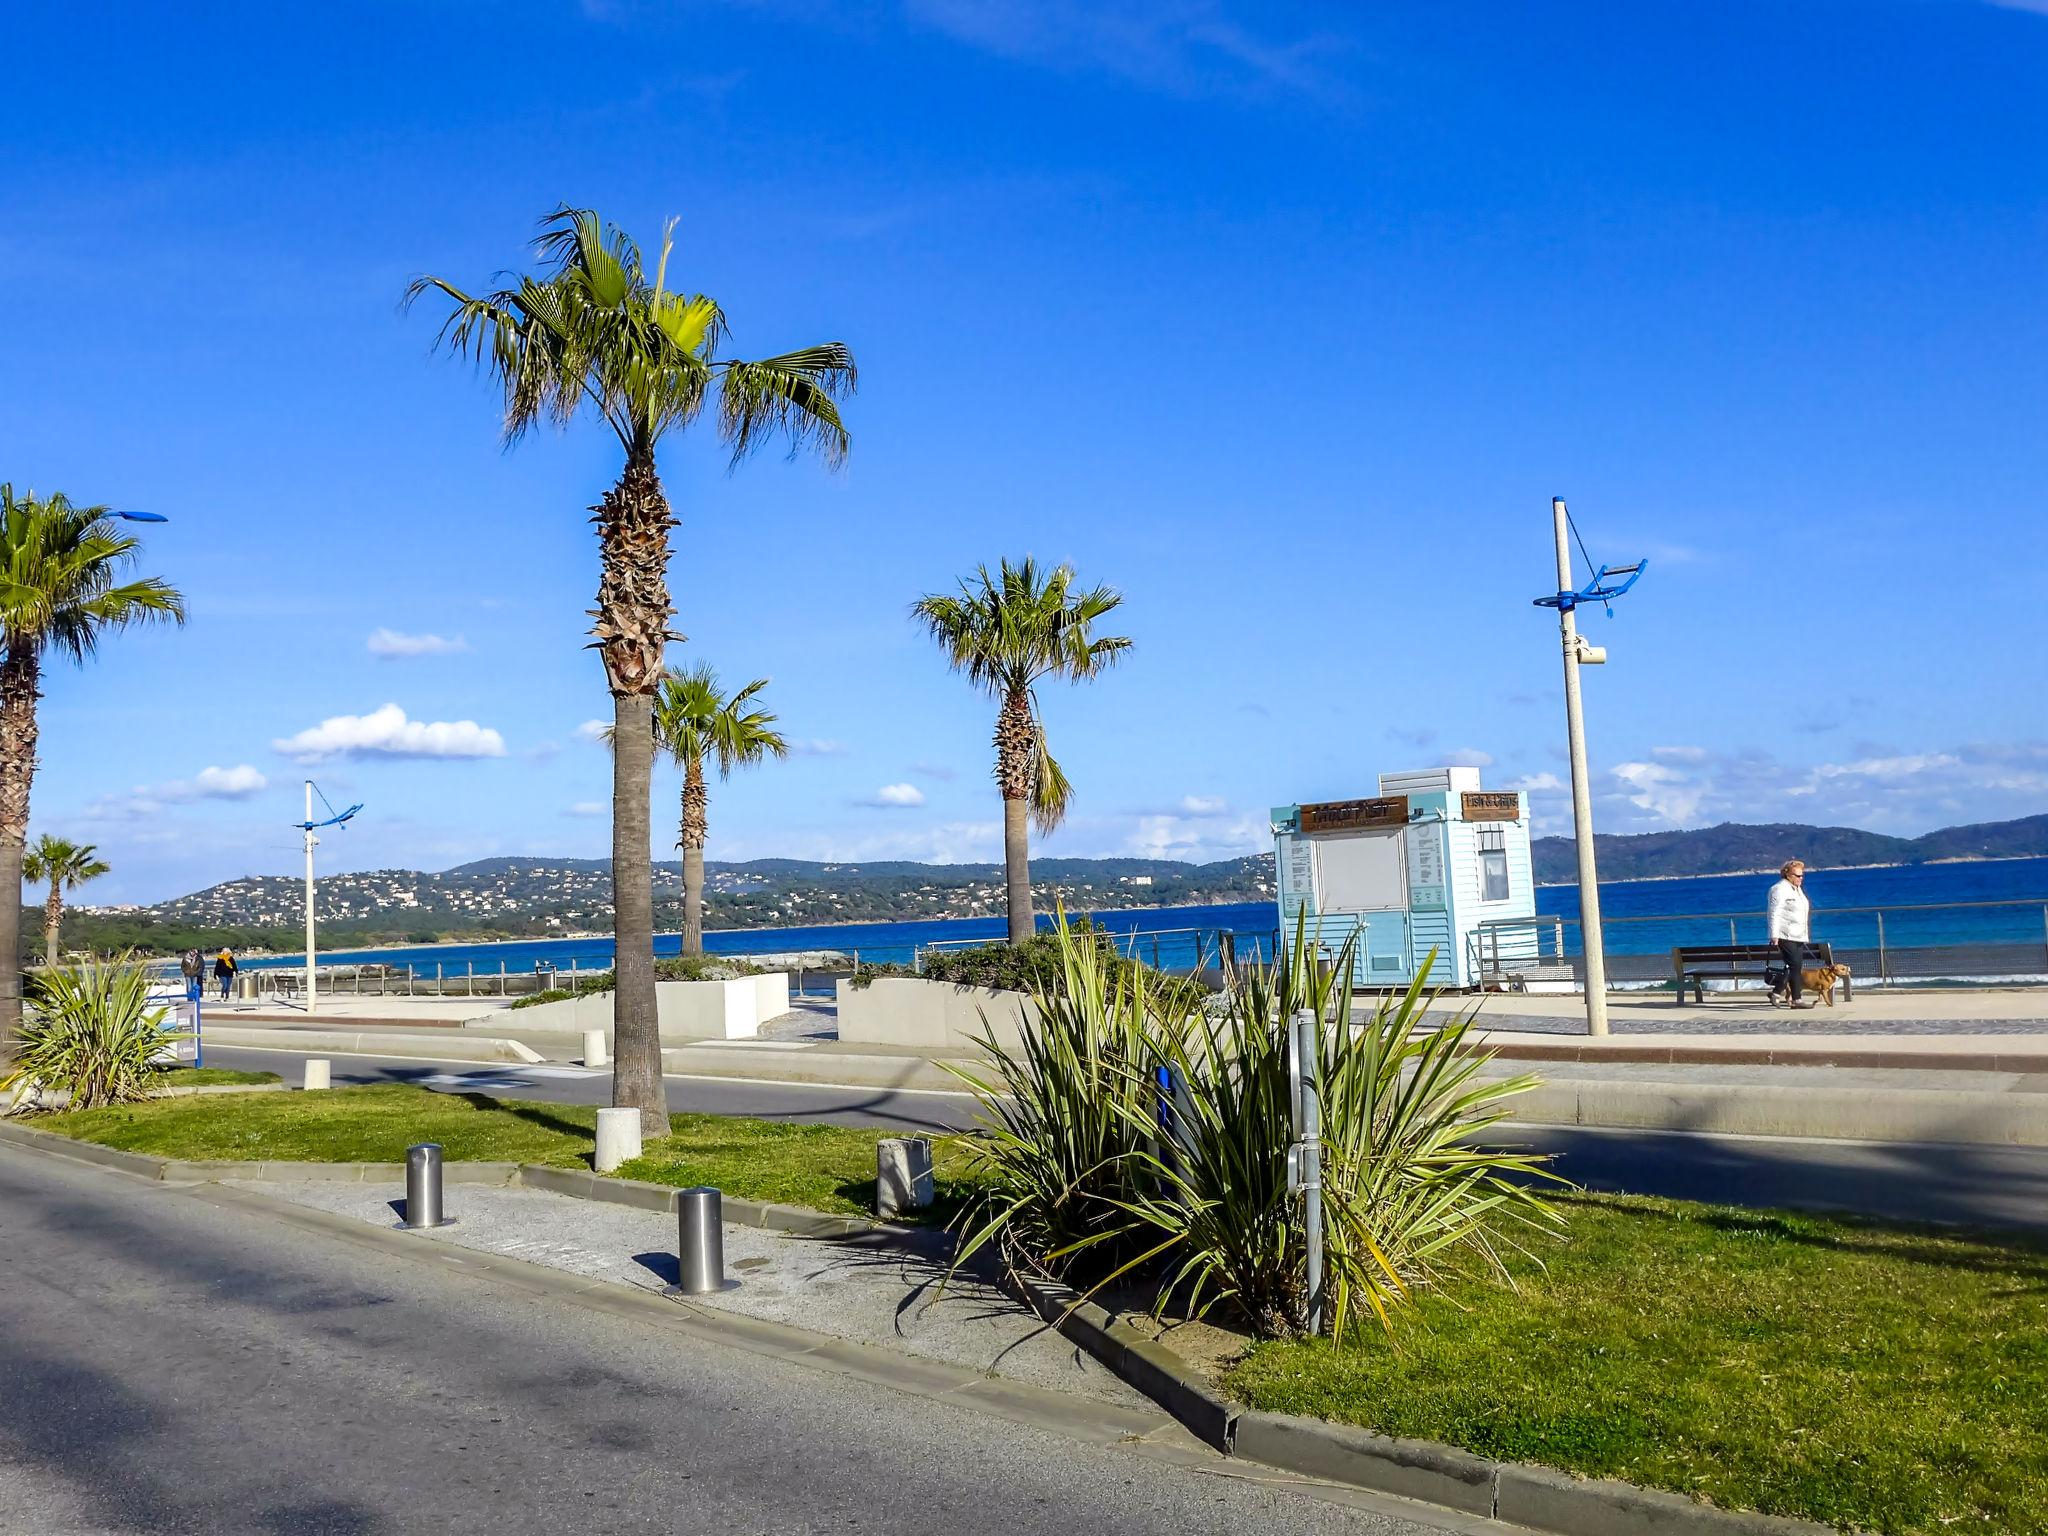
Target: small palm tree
x=693 y=720
x=1006 y=631
x=593 y=329
x=64 y=865
x=60 y=591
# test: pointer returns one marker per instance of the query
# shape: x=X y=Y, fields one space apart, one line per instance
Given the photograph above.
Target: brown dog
x=1822 y=981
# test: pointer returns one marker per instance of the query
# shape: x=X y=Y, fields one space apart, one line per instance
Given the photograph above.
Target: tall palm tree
x=693 y=720
x=60 y=591
x=1006 y=631
x=63 y=865
x=593 y=329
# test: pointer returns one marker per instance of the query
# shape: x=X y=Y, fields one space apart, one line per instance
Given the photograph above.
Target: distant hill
x=1734 y=848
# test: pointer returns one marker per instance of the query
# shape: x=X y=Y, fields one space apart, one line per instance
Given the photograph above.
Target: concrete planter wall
x=688 y=1010
x=931 y=1015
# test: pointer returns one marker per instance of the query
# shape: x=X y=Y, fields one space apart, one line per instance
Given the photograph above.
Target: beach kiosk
x=1416 y=868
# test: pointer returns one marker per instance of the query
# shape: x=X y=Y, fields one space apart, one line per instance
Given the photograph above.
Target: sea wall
x=931 y=1015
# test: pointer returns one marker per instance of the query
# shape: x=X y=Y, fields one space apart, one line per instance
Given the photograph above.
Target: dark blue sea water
x=1644 y=917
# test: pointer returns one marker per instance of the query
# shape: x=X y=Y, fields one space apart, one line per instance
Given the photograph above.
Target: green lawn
x=824 y=1167
x=1890 y=1379
x=208 y=1077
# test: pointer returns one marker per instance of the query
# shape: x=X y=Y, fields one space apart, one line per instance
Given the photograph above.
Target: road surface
x=1892 y=1181
x=183 y=1361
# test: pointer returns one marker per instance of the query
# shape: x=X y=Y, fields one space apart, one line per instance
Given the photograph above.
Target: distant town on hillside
x=540 y=897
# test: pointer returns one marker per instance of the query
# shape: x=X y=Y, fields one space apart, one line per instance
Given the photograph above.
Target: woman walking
x=1788 y=911
x=224 y=969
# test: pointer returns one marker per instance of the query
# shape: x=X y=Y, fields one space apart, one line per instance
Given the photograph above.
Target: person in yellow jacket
x=224 y=969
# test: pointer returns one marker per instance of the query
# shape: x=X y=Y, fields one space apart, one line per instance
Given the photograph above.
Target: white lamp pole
x=311 y=843
x=1582 y=795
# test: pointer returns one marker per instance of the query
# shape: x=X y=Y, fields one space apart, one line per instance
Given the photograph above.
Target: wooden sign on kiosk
x=1489 y=805
x=1356 y=815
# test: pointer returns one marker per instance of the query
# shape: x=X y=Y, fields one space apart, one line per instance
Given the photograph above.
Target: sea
x=2000 y=902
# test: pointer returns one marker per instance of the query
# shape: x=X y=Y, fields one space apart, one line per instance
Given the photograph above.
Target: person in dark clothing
x=224 y=969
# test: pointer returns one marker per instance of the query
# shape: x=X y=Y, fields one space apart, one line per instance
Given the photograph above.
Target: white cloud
x=816 y=748
x=952 y=842
x=390 y=644
x=897 y=797
x=1198 y=839
x=386 y=732
x=1538 y=784
x=1661 y=791
x=236 y=783
x=1184 y=46
x=1679 y=754
x=592 y=730
x=1203 y=805
x=1467 y=757
x=588 y=808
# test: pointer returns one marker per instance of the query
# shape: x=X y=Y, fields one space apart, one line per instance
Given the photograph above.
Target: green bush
x=1090 y=1182
x=90 y=1032
x=1033 y=966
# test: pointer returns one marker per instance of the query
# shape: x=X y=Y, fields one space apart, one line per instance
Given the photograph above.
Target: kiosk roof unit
x=1407 y=873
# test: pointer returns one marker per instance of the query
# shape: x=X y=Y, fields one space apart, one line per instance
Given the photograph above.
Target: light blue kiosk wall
x=1419 y=867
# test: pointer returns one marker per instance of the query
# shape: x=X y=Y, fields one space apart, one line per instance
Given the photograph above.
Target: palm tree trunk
x=53 y=922
x=1016 y=736
x=696 y=819
x=18 y=693
x=632 y=636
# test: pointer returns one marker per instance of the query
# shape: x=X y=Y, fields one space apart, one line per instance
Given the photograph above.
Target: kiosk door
x=1364 y=876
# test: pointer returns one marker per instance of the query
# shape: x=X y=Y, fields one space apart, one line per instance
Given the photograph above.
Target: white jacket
x=1788 y=909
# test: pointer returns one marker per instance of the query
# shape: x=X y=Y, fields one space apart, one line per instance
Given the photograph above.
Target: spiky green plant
x=1409 y=1196
x=1053 y=1142
x=92 y=1034
x=1097 y=1172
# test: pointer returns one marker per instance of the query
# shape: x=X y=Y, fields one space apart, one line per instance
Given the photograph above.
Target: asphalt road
x=178 y=1362
x=1892 y=1181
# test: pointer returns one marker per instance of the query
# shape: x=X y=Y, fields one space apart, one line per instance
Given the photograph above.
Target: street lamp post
x=309 y=826
x=1606 y=584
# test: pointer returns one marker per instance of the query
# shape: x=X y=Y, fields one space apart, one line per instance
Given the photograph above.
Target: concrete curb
x=1537 y=1498
x=448 y=1045
x=1924 y=1115
x=209 y=1088
x=1905 y=1056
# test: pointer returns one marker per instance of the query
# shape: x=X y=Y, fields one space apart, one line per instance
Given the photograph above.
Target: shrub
x=92 y=1033
x=1036 y=965
x=666 y=968
x=1097 y=1172
x=868 y=972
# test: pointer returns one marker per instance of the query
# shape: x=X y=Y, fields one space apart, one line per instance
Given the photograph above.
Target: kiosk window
x=1493 y=866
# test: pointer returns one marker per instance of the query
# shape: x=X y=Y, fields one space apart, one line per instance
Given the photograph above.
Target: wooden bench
x=1694 y=964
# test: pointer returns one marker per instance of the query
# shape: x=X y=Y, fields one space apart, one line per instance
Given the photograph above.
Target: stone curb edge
x=1537 y=1498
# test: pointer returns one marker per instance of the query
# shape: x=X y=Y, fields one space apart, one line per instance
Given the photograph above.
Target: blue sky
x=1287 y=320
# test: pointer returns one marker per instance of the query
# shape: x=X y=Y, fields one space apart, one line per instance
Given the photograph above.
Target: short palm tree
x=693 y=720
x=64 y=866
x=594 y=329
x=1007 y=631
x=60 y=591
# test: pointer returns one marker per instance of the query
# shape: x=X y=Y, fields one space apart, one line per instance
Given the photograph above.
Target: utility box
x=1414 y=869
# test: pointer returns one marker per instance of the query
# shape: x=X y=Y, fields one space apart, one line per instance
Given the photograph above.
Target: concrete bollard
x=594 y=1052
x=618 y=1138
x=700 y=1241
x=318 y=1074
x=903 y=1175
x=423 y=1187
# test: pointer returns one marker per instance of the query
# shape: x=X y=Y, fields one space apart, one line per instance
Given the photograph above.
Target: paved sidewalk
x=867 y=1294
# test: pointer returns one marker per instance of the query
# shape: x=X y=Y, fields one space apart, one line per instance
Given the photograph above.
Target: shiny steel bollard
x=423 y=1187
x=700 y=1242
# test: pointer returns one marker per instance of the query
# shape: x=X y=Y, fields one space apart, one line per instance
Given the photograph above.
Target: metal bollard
x=594 y=1052
x=903 y=1175
x=423 y=1187
x=700 y=1242
x=318 y=1075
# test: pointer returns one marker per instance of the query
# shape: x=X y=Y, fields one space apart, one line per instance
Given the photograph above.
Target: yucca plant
x=1054 y=1143
x=92 y=1033
x=1408 y=1198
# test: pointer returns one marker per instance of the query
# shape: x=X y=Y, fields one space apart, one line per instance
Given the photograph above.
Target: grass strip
x=824 y=1167
x=1882 y=1378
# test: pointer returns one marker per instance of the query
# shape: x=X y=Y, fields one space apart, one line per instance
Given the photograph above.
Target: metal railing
x=1164 y=949
x=1966 y=941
